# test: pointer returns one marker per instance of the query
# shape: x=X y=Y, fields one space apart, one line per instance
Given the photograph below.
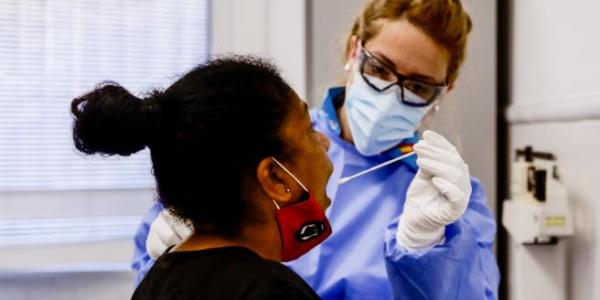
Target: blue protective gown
x=361 y=259
x=142 y=262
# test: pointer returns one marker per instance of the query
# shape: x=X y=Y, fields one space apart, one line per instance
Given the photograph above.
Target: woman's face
x=406 y=48
x=309 y=161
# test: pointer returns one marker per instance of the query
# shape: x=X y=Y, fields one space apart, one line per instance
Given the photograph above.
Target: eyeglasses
x=380 y=76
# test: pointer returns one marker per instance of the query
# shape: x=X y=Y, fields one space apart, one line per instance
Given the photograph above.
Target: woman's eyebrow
x=380 y=56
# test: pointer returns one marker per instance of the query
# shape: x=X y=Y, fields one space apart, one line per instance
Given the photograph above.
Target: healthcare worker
x=417 y=229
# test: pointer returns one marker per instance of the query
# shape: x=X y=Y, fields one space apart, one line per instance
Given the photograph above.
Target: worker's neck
x=346 y=135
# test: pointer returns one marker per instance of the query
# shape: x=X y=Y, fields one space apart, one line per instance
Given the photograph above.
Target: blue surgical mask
x=380 y=120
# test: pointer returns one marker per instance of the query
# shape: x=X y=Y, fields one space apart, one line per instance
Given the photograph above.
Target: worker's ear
x=274 y=181
x=352 y=48
x=450 y=86
x=351 y=59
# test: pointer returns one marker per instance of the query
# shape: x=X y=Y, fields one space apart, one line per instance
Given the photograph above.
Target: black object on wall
x=503 y=87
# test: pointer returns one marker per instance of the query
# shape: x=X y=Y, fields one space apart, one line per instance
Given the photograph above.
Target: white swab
x=381 y=165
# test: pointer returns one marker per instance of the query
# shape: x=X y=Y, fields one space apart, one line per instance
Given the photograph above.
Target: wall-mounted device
x=538 y=219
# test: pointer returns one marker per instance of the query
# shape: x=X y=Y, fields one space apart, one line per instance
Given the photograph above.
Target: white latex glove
x=165 y=231
x=437 y=196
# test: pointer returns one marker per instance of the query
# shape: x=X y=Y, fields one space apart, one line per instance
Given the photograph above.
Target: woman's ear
x=352 y=48
x=274 y=182
x=450 y=86
x=350 y=61
x=351 y=53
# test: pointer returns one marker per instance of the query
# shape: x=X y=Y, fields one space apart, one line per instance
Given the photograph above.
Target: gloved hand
x=165 y=231
x=437 y=196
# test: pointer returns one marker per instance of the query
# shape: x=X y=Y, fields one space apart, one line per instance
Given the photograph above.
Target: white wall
x=72 y=262
x=91 y=286
x=271 y=28
x=556 y=107
x=330 y=21
x=96 y=271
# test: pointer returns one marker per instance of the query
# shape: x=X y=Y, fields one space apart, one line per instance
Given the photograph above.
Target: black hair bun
x=111 y=120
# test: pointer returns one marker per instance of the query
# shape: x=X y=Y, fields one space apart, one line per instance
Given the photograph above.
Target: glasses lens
x=376 y=74
x=425 y=92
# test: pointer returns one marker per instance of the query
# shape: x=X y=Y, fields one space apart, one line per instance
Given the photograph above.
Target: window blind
x=54 y=51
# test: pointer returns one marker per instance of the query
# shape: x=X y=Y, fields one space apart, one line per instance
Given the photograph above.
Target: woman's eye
x=381 y=70
x=376 y=68
x=417 y=88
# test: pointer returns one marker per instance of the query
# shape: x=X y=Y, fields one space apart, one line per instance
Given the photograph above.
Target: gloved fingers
x=169 y=218
x=446 y=156
x=164 y=230
x=177 y=230
x=154 y=246
x=437 y=140
x=156 y=242
x=409 y=236
x=450 y=190
x=438 y=169
x=423 y=175
x=183 y=231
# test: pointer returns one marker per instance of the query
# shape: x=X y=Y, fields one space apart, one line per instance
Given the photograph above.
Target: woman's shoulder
x=266 y=279
x=280 y=282
x=276 y=281
x=225 y=273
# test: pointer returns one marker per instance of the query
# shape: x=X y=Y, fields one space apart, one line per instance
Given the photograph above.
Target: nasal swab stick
x=379 y=166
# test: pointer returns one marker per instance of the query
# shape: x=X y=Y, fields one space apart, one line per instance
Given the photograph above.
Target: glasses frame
x=400 y=79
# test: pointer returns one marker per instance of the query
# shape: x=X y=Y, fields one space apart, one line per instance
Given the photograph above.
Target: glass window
x=54 y=51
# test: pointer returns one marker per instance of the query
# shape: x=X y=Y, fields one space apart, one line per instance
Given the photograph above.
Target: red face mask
x=302 y=226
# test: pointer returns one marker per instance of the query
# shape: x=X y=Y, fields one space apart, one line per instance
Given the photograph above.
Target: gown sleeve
x=462 y=267
x=142 y=262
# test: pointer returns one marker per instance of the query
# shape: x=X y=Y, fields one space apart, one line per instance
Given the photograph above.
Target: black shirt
x=221 y=273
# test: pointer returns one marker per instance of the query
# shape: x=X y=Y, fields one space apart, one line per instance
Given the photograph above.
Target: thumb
x=437 y=139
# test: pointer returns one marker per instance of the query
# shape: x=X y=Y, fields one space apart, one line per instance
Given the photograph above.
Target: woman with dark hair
x=235 y=156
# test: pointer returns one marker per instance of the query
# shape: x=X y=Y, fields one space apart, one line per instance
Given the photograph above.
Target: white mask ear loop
x=276 y=205
x=435 y=106
x=290 y=173
x=356 y=57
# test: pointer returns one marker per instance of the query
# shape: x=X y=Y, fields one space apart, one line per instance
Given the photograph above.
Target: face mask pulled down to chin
x=302 y=226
